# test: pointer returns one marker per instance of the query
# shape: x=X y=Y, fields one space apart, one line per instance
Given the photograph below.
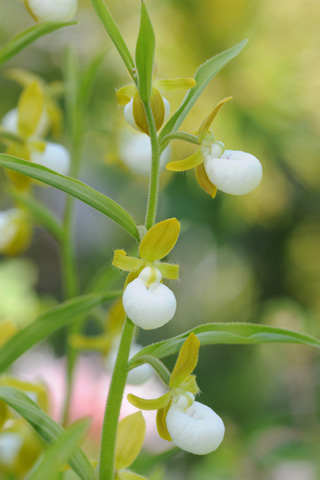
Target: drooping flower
x=15 y=232
x=192 y=426
x=233 y=172
x=146 y=301
x=52 y=10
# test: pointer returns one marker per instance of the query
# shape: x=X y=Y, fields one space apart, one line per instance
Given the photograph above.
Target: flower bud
x=234 y=172
x=135 y=152
x=10 y=123
x=197 y=429
x=15 y=232
x=136 y=376
x=135 y=115
x=52 y=10
x=55 y=156
x=147 y=302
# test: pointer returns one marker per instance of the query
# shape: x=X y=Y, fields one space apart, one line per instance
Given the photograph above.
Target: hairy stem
x=154 y=177
x=112 y=412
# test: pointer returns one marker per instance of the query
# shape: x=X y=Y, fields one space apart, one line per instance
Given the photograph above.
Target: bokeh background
x=243 y=259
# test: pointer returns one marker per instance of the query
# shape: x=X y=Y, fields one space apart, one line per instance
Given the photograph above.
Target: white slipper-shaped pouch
x=52 y=10
x=55 y=156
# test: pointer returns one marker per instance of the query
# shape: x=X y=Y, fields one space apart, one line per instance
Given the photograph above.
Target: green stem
x=154 y=178
x=111 y=417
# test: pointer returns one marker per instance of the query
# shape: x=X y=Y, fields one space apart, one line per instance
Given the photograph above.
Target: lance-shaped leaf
x=125 y=262
x=75 y=188
x=47 y=428
x=60 y=452
x=145 y=49
x=186 y=362
x=162 y=424
x=204 y=128
x=159 y=240
x=149 y=404
x=25 y=38
x=182 y=165
x=228 y=334
x=130 y=437
x=203 y=76
x=204 y=181
x=48 y=323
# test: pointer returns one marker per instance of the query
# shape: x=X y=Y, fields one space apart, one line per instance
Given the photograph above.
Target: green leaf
x=48 y=323
x=23 y=39
x=47 y=428
x=60 y=452
x=40 y=213
x=75 y=188
x=203 y=76
x=228 y=334
x=115 y=35
x=158 y=367
x=145 y=49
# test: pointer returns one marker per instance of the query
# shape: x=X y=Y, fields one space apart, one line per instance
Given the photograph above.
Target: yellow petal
x=124 y=262
x=124 y=94
x=203 y=130
x=100 y=343
x=162 y=424
x=127 y=475
x=204 y=181
x=186 y=362
x=115 y=317
x=186 y=164
x=55 y=116
x=22 y=238
x=38 y=145
x=23 y=77
x=173 y=84
x=132 y=276
x=130 y=437
x=168 y=270
x=149 y=404
x=159 y=240
x=30 y=107
x=7 y=330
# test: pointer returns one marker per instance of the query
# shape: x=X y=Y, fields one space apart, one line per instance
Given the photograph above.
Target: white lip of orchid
x=53 y=10
x=235 y=172
x=10 y=445
x=136 y=376
x=10 y=123
x=55 y=156
x=135 y=152
x=196 y=429
x=147 y=302
x=128 y=113
x=8 y=226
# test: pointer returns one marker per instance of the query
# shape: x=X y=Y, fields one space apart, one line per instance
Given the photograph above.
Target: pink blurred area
x=91 y=385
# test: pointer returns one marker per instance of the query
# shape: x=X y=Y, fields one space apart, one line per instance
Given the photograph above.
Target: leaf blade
x=145 y=49
x=73 y=187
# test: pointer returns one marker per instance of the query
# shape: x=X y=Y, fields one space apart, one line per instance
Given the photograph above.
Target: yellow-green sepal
x=187 y=164
x=206 y=124
x=124 y=94
x=162 y=423
x=8 y=330
x=186 y=362
x=204 y=181
x=190 y=385
x=38 y=145
x=30 y=108
x=125 y=262
x=168 y=270
x=159 y=240
x=97 y=343
x=174 y=84
x=149 y=404
x=130 y=437
x=128 y=475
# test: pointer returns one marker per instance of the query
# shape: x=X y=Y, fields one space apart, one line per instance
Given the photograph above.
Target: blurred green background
x=243 y=259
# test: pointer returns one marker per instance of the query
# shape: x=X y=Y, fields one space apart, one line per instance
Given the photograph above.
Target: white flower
x=135 y=152
x=128 y=113
x=10 y=123
x=196 y=429
x=55 y=156
x=147 y=302
x=136 y=376
x=234 y=172
x=15 y=231
x=52 y=10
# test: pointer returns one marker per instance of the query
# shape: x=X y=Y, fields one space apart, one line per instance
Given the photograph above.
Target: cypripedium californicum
x=23 y=141
x=15 y=232
x=130 y=437
x=233 y=172
x=147 y=302
x=52 y=10
x=192 y=426
x=134 y=110
x=108 y=343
